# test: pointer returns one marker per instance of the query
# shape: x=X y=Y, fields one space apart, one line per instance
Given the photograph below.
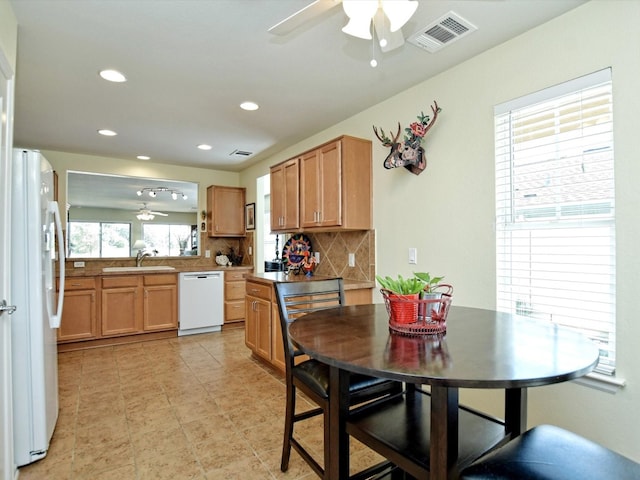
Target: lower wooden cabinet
x=263 y=333
x=258 y=319
x=121 y=311
x=234 y=295
x=79 y=315
x=160 y=302
x=102 y=307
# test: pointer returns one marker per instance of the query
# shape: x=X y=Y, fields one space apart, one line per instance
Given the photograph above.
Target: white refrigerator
x=35 y=230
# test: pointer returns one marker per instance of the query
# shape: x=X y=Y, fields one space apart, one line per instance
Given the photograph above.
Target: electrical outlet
x=78 y=264
x=413 y=256
x=250 y=250
x=352 y=259
x=207 y=254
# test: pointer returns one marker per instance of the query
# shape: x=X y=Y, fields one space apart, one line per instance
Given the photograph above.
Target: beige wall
x=448 y=211
x=8 y=33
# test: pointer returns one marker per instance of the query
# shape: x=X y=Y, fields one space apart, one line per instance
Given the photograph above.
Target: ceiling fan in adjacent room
x=387 y=16
x=146 y=214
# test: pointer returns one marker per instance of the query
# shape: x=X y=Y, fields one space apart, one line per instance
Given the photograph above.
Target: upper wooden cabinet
x=336 y=187
x=285 y=196
x=225 y=211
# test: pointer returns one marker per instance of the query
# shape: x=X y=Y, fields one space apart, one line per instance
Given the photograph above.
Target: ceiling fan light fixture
x=360 y=13
x=398 y=12
x=145 y=216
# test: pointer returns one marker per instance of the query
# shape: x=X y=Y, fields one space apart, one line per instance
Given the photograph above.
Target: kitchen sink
x=150 y=268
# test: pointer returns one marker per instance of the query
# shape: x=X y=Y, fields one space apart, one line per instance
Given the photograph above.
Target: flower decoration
x=409 y=153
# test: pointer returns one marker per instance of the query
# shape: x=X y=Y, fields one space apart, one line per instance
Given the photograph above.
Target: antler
x=386 y=141
x=435 y=109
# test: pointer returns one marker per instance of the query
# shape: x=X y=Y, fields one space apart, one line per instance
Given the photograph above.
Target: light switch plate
x=413 y=256
x=352 y=259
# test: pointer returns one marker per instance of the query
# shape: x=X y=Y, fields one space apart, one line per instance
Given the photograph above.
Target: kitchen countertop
x=97 y=271
x=279 y=277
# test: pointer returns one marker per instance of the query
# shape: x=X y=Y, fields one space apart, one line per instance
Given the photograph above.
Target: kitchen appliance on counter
x=200 y=302
x=35 y=230
x=274 y=266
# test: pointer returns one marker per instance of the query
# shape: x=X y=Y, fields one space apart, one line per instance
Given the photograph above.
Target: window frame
x=517 y=144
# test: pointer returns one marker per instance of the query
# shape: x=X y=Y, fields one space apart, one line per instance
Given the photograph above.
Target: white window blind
x=555 y=217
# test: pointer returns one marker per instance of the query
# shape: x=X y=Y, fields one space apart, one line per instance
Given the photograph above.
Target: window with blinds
x=555 y=216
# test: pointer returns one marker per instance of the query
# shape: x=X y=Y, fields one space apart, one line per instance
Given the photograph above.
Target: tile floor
x=195 y=407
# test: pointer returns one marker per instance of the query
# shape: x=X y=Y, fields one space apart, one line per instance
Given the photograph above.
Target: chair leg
x=288 y=426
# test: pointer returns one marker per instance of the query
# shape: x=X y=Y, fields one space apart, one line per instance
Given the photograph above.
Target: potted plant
x=429 y=293
x=400 y=296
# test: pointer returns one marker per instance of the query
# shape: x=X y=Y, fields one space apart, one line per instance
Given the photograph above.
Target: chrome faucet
x=141 y=255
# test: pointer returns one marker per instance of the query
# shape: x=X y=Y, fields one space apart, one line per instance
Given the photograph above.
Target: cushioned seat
x=550 y=453
x=296 y=299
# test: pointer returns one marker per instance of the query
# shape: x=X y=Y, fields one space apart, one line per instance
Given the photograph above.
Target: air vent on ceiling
x=240 y=153
x=444 y=31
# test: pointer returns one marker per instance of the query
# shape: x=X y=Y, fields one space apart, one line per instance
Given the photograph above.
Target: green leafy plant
x=401 y=286
x=428 y=282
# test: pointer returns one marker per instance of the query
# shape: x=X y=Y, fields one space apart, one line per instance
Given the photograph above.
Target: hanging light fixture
x=153 y=191
x=398 y=12
x=361 y=12
x=145 y=216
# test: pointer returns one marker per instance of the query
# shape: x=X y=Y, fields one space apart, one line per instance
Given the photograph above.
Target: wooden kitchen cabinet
x=320 y=172
x=139 y=303
x=225 y=211
x=121 y=311
x=263 y=333
x=79 y=315
x=285 y=196
x=234 y=295
x=160 y=307
x=258 y=319
x=336 y=186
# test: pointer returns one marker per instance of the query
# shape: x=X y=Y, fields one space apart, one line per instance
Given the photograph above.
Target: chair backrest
x=296 y=299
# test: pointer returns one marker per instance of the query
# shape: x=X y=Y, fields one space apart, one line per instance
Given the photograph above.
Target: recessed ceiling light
x=143 y=157
x=107 y=133
x=113 y=76
x=204 y=146
x=249 y=106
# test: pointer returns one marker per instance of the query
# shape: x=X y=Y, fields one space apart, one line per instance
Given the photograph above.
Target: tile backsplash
x=334 y=248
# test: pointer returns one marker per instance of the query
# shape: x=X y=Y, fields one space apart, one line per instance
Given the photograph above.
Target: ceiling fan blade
x=159 y=213
x=383 y=30
x=302 y=16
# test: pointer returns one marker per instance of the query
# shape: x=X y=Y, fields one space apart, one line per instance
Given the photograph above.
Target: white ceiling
x=190 y=63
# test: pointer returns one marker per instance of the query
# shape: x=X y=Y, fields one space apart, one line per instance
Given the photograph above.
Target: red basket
x=412 y=315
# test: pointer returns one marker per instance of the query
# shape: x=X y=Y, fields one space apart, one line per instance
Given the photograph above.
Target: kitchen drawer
x=161 y=279
x=234 y=291
x=259 y=290
x=117 y=282
x=234 y=275
x=78 y=283
x=233 y=311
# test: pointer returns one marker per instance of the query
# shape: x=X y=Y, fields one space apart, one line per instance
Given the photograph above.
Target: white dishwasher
x=200 y=302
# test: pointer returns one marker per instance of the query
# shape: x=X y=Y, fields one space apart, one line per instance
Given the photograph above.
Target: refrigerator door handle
x=55 y=319
x=7 y=308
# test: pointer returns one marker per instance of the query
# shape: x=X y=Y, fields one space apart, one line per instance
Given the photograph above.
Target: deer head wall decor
x=409 y=153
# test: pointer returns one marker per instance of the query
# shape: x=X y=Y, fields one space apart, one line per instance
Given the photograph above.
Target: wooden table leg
x=337 y=465
x=444 y=431
x=515 y=410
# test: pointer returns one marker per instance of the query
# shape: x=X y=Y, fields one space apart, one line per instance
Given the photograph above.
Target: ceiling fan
x=388 y=17
x=146 y=214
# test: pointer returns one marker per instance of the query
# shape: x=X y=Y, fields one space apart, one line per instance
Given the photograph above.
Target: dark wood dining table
x=481 y=349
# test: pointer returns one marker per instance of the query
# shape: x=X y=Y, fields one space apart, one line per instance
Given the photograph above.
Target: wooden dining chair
x=295 y=299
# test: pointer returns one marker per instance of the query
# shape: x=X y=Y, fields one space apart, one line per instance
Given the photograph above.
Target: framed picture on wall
x=250 y=216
